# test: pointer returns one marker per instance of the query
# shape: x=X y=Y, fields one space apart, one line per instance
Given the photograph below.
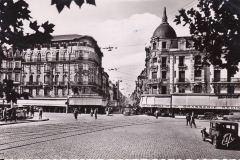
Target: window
x=38 y=78
x=181 y=60
x=76 y=78
x=56 y=79
x=174 y=74
x=154 y=75
x=31 y=57
x=164 y=89
x=230 y=89
x=65 y=79
x=17 y=65
x=197 y=89
x=181 y=76
x=217 y=89
x=154 y=60
x=30 y=91
x=46 y=91
x=164 y=61
x=57 y=56
x=38 y=68
x=164 y=44
x=154 y=90
x=37 y=91
x=48 y=56
x=198 y=59
x=217 y=75
x=164 y=74
x=39 y=57
x=154 y=45
x=197 y=73
x=31 y=78
x=9 y=75
x=64 y=90
x=55 y=91
x=174 y=59
x=17 y=77
x=46 y=78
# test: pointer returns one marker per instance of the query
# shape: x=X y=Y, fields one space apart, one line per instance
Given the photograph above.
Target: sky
x=126 y=25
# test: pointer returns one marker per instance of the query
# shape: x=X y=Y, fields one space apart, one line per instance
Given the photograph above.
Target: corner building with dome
x=174 y=80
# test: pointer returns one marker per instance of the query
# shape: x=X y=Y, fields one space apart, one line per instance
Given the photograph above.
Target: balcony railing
x=182 y=66
x=63 y=83
x=225 y=80
x=182 y=80
x=164 y=66
x=198 y=79
x=29 y=83
x=154 y=80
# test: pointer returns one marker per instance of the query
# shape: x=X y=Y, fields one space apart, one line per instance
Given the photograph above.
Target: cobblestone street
x=108 y=137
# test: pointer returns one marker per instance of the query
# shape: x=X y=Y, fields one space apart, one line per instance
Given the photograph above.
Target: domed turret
x=164 y=31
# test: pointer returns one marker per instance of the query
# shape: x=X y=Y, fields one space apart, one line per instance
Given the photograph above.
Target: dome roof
x=165 y=31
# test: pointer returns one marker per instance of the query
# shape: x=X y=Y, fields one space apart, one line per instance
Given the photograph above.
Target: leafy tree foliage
x=215 y=28
x=7 y=88
x=60 y=4
x=13 y=14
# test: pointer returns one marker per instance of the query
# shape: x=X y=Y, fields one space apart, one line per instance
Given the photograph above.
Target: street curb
x=24 y=121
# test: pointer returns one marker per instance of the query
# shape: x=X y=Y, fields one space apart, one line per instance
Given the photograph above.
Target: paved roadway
x=108 y=137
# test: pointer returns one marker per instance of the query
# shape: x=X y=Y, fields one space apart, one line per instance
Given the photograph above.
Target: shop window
x=154 y=75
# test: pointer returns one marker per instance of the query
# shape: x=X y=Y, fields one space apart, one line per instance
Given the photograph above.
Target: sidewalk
x=30 y=119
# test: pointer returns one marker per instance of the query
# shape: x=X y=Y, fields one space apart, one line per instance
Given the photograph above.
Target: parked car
x=207 y=115
x=233 y=116
x=222 y=134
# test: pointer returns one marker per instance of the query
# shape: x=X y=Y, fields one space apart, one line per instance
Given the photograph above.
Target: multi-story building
x=176 y=79
x=60 y=75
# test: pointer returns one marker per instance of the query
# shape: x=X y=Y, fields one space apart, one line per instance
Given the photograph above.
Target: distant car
x=233 y=117
x=207 y=115
x=222 y=134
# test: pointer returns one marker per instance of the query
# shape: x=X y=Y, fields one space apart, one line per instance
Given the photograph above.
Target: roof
x=215 y=121
x=66 y=37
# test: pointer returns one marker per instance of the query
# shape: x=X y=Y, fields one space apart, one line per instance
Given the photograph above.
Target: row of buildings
x=61 y=75
x=174 y=79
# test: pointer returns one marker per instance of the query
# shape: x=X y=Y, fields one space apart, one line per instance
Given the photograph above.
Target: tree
x=7 y=87
x=60 y=4
x=13 y=14
x=215 y=29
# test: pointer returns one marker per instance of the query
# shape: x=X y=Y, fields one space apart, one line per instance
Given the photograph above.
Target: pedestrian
x=32 y=111
x=192 y=121
x=91 y=112
x=156 y=114
x=24 y=113
x=28 y=111
x=95 y=113
x=85 y=110
x=40 y=113
x=75 y=113
x=5 y=114
x=14 y=114
x=188 y=118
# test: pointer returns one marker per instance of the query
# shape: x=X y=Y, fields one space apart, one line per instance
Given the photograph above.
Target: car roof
x=214 y=121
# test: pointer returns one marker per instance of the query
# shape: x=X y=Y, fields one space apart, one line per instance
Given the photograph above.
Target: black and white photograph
x=119 y=79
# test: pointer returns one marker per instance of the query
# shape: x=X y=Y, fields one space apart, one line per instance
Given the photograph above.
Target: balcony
x=224 y=80
x=154 y=81
x=198 y=79
x=63 y=83
x=182 y=66
x=37 y=83
x=182 y=80
x=29 y=83
x=198 y=64
x=47 y=70
x=164 y=66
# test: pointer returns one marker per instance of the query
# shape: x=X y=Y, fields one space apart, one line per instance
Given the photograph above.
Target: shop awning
x=162 y=100
x=85 y=101
x=43 y=102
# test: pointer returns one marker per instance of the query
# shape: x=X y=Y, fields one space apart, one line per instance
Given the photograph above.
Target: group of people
x=190 y=119
x=92 y=112
x=9 y=114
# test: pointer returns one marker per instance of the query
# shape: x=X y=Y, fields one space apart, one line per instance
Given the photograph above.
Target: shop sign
x=221 y=96
x=155 y=105
x=227 y=107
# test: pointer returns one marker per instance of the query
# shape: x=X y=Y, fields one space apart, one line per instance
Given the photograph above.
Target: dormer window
x=164 y=44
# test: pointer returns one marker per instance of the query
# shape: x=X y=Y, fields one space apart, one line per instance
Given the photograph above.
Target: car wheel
x=215 y=142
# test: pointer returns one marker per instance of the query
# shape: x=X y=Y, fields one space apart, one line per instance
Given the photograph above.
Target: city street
x=108 y=137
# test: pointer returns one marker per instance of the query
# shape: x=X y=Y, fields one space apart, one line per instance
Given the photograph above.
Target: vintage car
x=222 y=134
x=207 y=115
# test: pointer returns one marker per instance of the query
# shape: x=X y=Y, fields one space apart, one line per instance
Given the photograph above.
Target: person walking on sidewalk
x=193 y=121
x=14 y=114
x=75 y=113
x=156 y=114
x=40 y=113
x=28 y=109
x=5 y=114
x=188 y=118
x=85 y=110
x=95 y=113
x=91 y=112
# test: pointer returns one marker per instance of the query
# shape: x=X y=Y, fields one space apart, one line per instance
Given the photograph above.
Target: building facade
x=175 y=77
x=63 y=74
